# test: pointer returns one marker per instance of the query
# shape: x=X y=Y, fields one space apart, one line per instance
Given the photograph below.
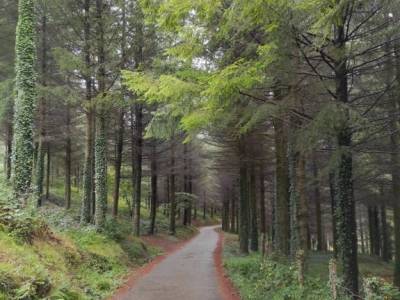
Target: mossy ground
x=68 y=261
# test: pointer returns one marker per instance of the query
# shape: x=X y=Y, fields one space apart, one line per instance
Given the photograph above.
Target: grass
x=277 y=278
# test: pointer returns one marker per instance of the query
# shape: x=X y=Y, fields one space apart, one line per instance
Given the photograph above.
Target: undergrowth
x=276 y=278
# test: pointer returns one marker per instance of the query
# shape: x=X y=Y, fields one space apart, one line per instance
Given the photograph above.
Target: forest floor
x=192 y=271
x=275 y=277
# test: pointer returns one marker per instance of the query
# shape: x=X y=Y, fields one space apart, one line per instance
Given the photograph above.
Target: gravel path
x=188 y=274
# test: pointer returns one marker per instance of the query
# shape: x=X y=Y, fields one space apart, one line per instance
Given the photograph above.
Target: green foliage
x=378 y=289
x=25 y=86
x=270 y=279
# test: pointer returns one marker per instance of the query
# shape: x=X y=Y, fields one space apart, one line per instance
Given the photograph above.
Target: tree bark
x=282 y=227
x=154 y=196
x=68 y=151
x=87 y=172
x=345 y=206
x=253 y=210
x=385 y=235
x=42 y=114
x=118 y=160
x=138 y=151
x=244 y=229
x=321 y=245
x=302 y=211
x=48 y=172
x=172 y=213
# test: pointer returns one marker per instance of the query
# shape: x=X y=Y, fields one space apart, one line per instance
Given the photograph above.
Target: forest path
x=187 y=274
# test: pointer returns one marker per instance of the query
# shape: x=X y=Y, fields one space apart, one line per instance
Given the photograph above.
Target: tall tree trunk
x=185 y=184
x=42 y=114
x=395 y=168
x=172 y=213
x=253 y=210
x=263 y=221
x=333 y=195
x=302 y=211
x=154 y=196
x=233 y=214
x=321 y=245
x=225 y=212
x=118 y=160
x=25 y=86
x=345 y=206
x=244 y=229
x=121 y=122
x=385 y=235
x=204 y=206
x=101 y=139
x=48 y=172
x=374 y=230
x=138 y=166
x=282 y=227
x=87 y=172
x=68 y=150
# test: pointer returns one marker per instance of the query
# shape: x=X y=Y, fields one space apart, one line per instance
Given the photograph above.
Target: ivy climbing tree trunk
x=9 y=149
x=87 y=172
x=345 y=206
x=42 y=113
x=25 y=85
x=101 y=139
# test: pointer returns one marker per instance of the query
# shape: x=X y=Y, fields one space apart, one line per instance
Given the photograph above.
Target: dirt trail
x=187 y=274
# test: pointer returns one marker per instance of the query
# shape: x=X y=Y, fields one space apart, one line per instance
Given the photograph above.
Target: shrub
x=378 y=289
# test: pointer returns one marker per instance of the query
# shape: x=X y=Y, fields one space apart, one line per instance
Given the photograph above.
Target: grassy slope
x=277 y=278
x=57 y=259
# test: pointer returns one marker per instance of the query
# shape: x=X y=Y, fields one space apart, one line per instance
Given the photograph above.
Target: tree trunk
x=87 y=172
x=48 y=172
x=101 y=139
x=68 y=150
x=244 y=229
x=154 y=196
x=333 y=194
x=282 y=227
x=172 y=213
x=225 y=212
x=233 y=214
x=395 y=170
x=263 y=221
x=42 y=115
x=385 y=235
x=321 y=245
x=118 y=160
x=25 y=87
x=253 y=210
x=302 y=211
x=137 y=188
